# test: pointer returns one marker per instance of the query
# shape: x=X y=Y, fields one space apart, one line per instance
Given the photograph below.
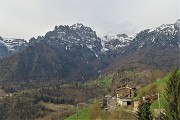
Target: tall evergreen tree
x=172 y=106
x=144 y=112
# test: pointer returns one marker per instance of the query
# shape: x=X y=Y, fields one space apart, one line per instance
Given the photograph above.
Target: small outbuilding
x=122 y=101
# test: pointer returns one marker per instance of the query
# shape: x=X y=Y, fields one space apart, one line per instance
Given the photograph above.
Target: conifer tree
x=172 y=105
x=144 y=112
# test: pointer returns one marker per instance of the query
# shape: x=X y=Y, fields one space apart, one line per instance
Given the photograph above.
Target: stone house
x=124 y=95
x=125 y=91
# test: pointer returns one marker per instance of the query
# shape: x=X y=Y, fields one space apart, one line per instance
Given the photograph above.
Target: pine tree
x=172 y=106
x=144 y=112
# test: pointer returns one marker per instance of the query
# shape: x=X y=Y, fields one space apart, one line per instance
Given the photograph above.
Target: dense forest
x=25 y=104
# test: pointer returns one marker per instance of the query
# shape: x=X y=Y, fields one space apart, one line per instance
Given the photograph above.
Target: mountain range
x=76 y=53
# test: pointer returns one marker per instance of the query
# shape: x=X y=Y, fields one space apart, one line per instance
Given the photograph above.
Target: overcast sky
x=32 y=18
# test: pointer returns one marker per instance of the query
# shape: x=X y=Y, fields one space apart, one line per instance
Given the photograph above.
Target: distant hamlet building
x=124 y=95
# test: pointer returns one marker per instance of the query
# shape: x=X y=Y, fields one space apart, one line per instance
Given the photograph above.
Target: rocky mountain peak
x=77 y=34
x=122 y=35
x=166 y=35
x=0 y=38
x=83 y=30
x=77 y=26
x=177 y=24
x=61 y=27
x=178 y=21
x=167 y=27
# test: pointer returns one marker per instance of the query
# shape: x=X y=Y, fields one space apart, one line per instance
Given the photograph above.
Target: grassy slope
x=83 y=114
x=103 y=82
x=159 y=87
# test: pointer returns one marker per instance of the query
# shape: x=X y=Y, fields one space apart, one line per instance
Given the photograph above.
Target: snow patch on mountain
x=13 y=44
x=115 y=42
